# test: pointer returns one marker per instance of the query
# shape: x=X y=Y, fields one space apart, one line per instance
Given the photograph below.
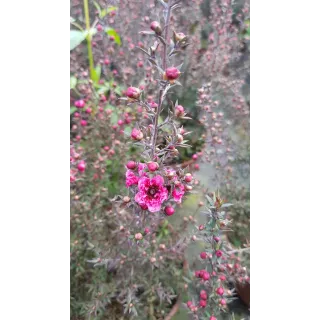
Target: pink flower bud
x=133 y=93
x=180 y=137
x=83 y=123
x=136 y=134
x=203 y=295
x=106 y=62
x=213 y=318
x=131 y=165
x=206 y=275
x=88 y=110
x=201 y=227
x=220 y=291
x=155 y=26
x=179 y=111
x=99 y=27
x=81 y=166
x=179 y=36
x=188 y=177
x=222 y=277
x=223 y=302
x=216 y=239
x=169 y=210
x=138 y=236
x=218 y=253
x=153 y=166
x=172 y=74
x=203 y=303
x=79 y=103
x=153 y=104
x=203 y=255
x=146 y=230
x=189 y=304
x=143 y=206
x=195 y=156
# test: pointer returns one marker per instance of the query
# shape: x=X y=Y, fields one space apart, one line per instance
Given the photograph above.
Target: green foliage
x=76 y=37
x=112 y=32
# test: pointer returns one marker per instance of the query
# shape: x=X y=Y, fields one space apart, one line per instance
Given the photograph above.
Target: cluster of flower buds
x=213 y=293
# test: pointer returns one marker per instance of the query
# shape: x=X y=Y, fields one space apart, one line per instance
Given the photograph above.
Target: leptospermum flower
x=178 y=193
x=152 y=193
x=131 y=177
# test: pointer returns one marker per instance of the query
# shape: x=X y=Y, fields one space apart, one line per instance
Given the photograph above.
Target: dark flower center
x=152 y=191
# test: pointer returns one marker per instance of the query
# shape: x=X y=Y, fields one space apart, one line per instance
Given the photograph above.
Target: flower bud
x=136 y=134
x=203 y=295
x=179 y=36
x=79 y=103
x=155 y=26
x=203 y=303
x=203 y=255
x=153 y=166
x=180 y=138
x=188 y=177
x=223 y=302
x=218 y=253
x=179 y=111
x=206 y=275
x=133 y=93
x=138 y=236
x=171 y=74
x=81 y=166
x=169 y=211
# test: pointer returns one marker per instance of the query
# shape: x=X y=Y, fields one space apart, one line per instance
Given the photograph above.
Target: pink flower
x=151 y=193
x=178 y=193
x=141 y=171
x=131 y=178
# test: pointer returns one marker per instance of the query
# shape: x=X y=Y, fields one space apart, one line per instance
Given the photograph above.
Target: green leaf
x=96 y=73
x=226 y=205
x=73 y=82
x=76 y=37
x=114 y=118
x=127 y=131
x=118 y=90
x=110 y=9
x=209 y=200
x=72 y=110
x=112 y=32
x=103 y=13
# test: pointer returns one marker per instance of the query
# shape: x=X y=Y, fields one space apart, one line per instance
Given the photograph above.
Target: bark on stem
x=164 y=65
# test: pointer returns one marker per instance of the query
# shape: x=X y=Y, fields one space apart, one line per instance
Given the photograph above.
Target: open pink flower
x=178 y=193
x=151 y=193
x=131 y=178
x=141 y=168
